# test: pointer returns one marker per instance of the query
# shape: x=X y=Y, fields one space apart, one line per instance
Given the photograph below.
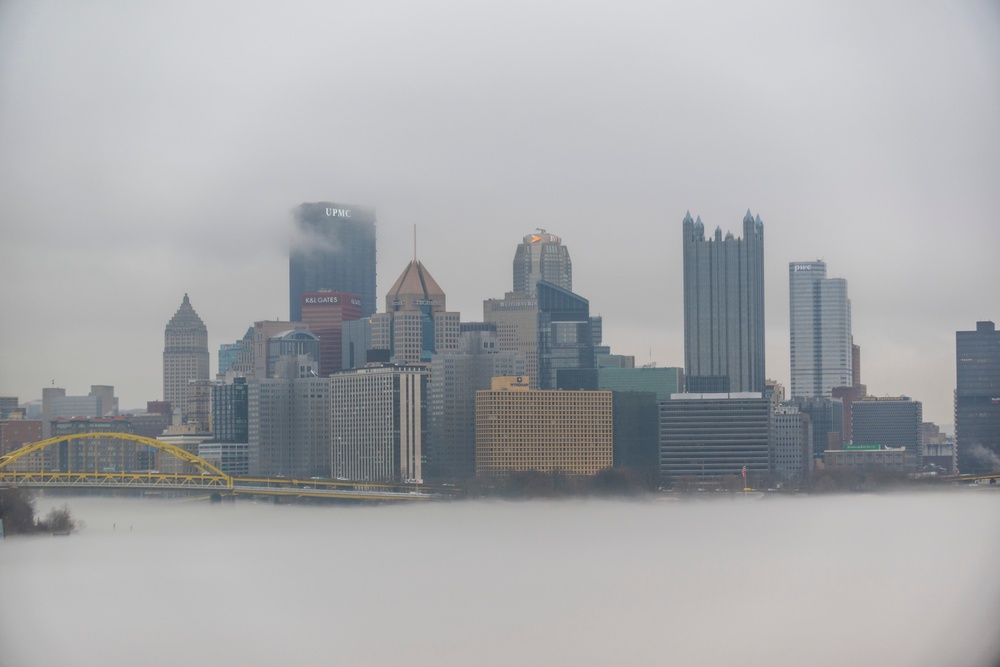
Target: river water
x=861 y=580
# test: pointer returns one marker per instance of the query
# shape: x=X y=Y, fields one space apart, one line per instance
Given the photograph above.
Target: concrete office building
x=325 y=313
x=724 y=308
x=199 y=404
x=292 y=345
x=710 y=436
x=889 y=421
x=821 y=343
x=14 y=434
x=379 y=423
x=541 y=256
x=791 y=443
x=288 y=426
x=416 y=323
x=519 y=429
x=977 y=399
x=101 y=454
x=185 y=355
x=263 y=331
x=516 y=320
x=456 y=376
x=100 y=402
x=333 y=248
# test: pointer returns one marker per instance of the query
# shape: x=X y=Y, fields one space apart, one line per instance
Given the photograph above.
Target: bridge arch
x=201 y=464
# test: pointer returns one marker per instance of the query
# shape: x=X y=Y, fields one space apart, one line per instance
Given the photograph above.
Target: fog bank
x=876 y=580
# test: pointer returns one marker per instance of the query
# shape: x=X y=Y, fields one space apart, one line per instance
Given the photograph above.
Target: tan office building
x=519 y=429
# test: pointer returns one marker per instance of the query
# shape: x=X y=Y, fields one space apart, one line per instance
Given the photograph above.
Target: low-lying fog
x=857 y=580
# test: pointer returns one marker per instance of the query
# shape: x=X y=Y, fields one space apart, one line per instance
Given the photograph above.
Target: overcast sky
x=148 y=150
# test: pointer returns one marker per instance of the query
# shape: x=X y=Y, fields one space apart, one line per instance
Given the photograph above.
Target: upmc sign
x=338 y=212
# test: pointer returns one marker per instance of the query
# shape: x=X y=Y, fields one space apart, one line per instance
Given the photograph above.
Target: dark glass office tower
x=564 y=333
x=333 y=248
x=724 y=308
x=977 y=399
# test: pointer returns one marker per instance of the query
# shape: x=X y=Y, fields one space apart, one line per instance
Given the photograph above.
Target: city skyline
x=864 y=136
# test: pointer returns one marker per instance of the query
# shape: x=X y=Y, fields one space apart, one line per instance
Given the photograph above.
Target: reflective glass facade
x=820 y=325
x=977 y=399
x=333 y=248
x=724 y=307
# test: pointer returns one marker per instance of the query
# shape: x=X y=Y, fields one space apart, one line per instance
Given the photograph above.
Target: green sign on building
x=855 y=446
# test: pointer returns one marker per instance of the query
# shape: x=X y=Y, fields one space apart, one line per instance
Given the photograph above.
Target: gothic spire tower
x=724 y=308
x=185 y=354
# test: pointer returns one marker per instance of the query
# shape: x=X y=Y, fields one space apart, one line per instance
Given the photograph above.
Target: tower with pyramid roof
x=185 y=354
x=415 y=323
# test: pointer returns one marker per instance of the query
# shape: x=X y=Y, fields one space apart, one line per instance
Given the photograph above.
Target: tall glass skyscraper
x=542 y=256
x=821 y=343
x=333 y=248
x=977 y=399
x=724 y=308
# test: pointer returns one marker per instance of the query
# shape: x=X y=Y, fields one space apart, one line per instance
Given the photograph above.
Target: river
x=858 y=580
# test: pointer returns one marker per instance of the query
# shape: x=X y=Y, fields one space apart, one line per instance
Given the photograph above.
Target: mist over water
x=865 y=580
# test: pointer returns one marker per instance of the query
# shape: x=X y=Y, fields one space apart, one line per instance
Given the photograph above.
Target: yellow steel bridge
x=201 y=476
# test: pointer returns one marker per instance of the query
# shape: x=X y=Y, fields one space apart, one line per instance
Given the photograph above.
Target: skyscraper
x=325 y=313
x=821 y=345
x=564 y=333
x=724 y=308
x=415 y=323
x=185 y=354
x=541 y=256
x=977 y=399
x=378 y=427
x=333 y=249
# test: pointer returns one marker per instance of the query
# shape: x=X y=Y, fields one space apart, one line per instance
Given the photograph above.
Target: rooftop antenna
x=414 y=243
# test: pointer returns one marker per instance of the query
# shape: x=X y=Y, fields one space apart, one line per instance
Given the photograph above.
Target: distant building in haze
x=791 y=443
x=185 y=355
x=229 y=411
x=889 y=421
x=827 y=418
x=333 y=249
x=821 y=343
x=977 y=399
x=516 y=320
x=456 y=376
x=541 y=256
x=724 y=308
x=288 y=425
